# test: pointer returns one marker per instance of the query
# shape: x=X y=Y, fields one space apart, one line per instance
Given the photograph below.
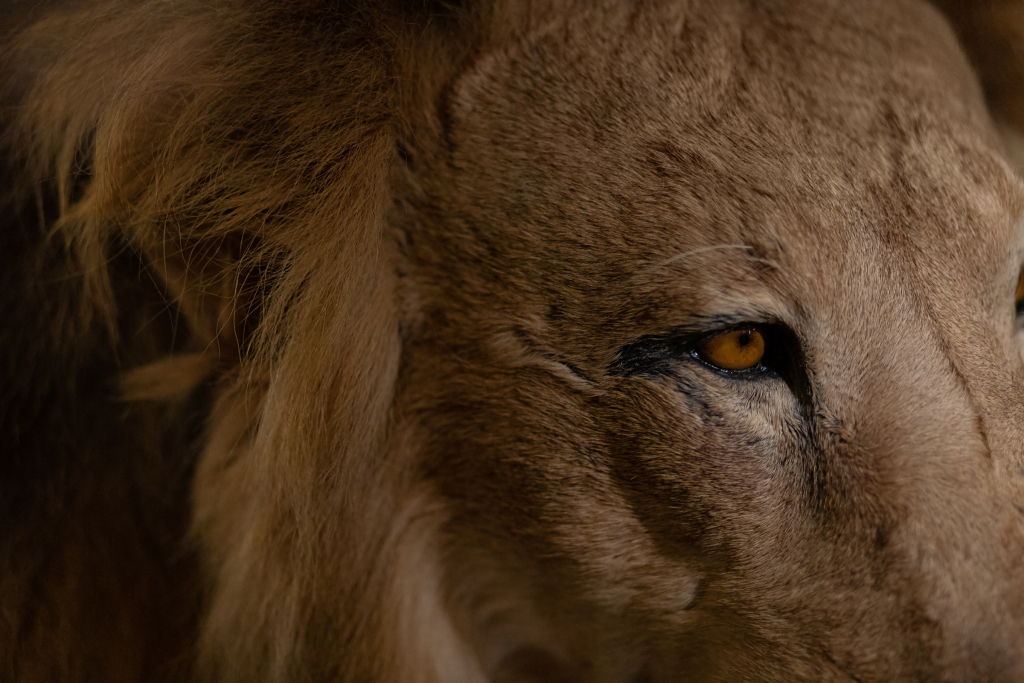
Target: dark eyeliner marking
x=659 y=355
x=655 y=354
x=649 y=355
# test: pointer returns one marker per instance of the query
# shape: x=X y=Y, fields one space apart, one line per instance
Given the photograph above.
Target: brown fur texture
x=352 y=341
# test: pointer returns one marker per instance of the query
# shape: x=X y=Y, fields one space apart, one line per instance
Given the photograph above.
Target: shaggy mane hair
x=232 y=161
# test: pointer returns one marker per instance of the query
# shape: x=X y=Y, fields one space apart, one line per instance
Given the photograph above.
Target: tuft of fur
x=314 y=319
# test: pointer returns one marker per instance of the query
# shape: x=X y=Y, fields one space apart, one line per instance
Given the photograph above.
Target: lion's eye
x=1019 y=295
x=735 y=350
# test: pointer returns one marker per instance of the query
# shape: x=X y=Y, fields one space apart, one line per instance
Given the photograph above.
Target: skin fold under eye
x=735 y=350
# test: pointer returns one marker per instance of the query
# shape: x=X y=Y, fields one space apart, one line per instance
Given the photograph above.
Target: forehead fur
x=586 y=156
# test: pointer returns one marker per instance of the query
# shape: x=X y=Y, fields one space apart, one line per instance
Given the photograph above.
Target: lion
x=566 y=341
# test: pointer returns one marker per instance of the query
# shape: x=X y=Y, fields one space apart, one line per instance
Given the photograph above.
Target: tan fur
x=371 y=298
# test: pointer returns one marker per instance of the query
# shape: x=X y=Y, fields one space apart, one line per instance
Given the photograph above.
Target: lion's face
x=562 y=341
x=615 y=190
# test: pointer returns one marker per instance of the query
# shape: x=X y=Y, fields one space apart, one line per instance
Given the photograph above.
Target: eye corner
x=649 y=356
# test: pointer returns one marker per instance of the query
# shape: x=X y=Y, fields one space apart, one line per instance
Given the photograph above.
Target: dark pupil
x=744 y=339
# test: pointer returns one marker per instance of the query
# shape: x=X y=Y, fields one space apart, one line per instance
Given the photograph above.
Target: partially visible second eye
x=736 y=350
x=1019 y=295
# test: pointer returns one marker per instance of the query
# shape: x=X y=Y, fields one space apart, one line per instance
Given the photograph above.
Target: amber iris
x=736 y=350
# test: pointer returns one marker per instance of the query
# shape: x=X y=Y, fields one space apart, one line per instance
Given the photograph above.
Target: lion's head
x=618 y=342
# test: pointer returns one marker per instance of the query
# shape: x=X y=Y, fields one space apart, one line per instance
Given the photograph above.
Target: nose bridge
x=916 y=411
x=896 y=420
x=989 y=377
x=919 y=413
x=933 y=377
x=917 y=360
x=912 y=393
x=890 y=373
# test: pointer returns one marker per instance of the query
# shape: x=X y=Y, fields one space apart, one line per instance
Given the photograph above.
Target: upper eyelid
x=700 y=328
